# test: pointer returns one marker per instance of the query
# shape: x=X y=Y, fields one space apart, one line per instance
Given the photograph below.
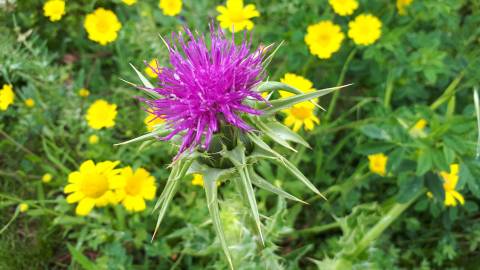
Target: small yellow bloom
x=344 y=7
x=93 y=139
x=324 y=39
x=6 y=97
x=170 y=7
x=450 y=181
x=129 y=2
x=418 y=130
x=134 y=188
x=151 y=121
x=378 y=163
x=148 y=69
x=23 y=207
x=235 y=16
x=102 y=26
x=402 y=5
x=301 y=114
x=197 y=180
x=365 y=29
x=46 y=178
x=54 y=9
x=29 y=102
x=92 y=185
x=101 y=114
x=83 y=92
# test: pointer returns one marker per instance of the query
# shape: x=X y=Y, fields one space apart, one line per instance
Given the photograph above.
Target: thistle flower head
x=206 y=85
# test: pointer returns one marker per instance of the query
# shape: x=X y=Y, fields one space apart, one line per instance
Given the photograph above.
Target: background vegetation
x=424 y=66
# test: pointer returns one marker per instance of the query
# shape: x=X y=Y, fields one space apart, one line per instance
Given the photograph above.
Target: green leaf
x=151 y=135
x=409 y=187
x=285 y=103
x=435 y=185
x=449 y=154
x=237 y=156
x=146 y=83
x=264 y=184
x=466 y=177
x=210 y=186
x=81 y=259
x=375 y=132
x=285 y=133
x=424 y=161
x=439 y=160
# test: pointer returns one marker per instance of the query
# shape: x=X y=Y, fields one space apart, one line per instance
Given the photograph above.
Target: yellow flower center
x=94 y=185
x=133 y=186
x=301 y=113
x=236 y=16
x=103 y=25
x=323 y=38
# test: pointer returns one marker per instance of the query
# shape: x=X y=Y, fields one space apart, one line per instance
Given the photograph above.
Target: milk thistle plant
x=210 y=101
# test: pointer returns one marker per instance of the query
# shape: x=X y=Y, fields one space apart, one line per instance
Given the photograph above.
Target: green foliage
x=425 y=66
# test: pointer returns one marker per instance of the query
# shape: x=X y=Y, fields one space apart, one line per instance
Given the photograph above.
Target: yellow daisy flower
x=151 y=121
x=83 y=92
x=378 y=163
x=450 y=181
x=365 y=29
x=102 y=26
x=197 y=180
x=418 y=130
x=23 y=207
x=101 y=114
x=324 y=39
x=129 y=2
x=92 y=185
x=170 y=7
x=54 y=9
x=301 y=114
x=46 y=178
x=135 y=187
x=6 y=97
x=344 y=7
x=235 y=16
x=29 y=102
x=402 y=5
x=148 y=69
x=93 y=139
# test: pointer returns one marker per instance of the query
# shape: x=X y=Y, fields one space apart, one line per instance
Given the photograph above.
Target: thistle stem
x=317 y=229
x=388 y=91
x=340 y=81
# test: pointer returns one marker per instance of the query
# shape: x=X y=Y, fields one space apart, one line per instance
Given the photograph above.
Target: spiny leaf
x=146 y=83
x=151 y=135
x=287 y=164
x=237 y=156
x=210 y=186
x=264 y=184
x=279 y=133
x=285 y=103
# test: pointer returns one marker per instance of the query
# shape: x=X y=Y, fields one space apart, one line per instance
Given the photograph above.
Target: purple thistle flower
x=206 y=86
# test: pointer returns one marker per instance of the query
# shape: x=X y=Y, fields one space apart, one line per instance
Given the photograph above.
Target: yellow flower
x=401 y=6
x=365 y=29
x=418 y=130
x=151 y=121
x=324 y=39
x=54 y=9
x=378 y=163
x=93 y=139
x=101 y=114
x=134 y=188
x=6 y=97
x=29 y=102
x=301 y=114
x=148 y=69
x=450 y=181
x=170 y=7
x=102 y=26
x=92 y=185
x=197 y=180
x=83 y=92
x=129 y=2
x=344 y=7
x=23 y=207
x=46 y=178
x=235 y=16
